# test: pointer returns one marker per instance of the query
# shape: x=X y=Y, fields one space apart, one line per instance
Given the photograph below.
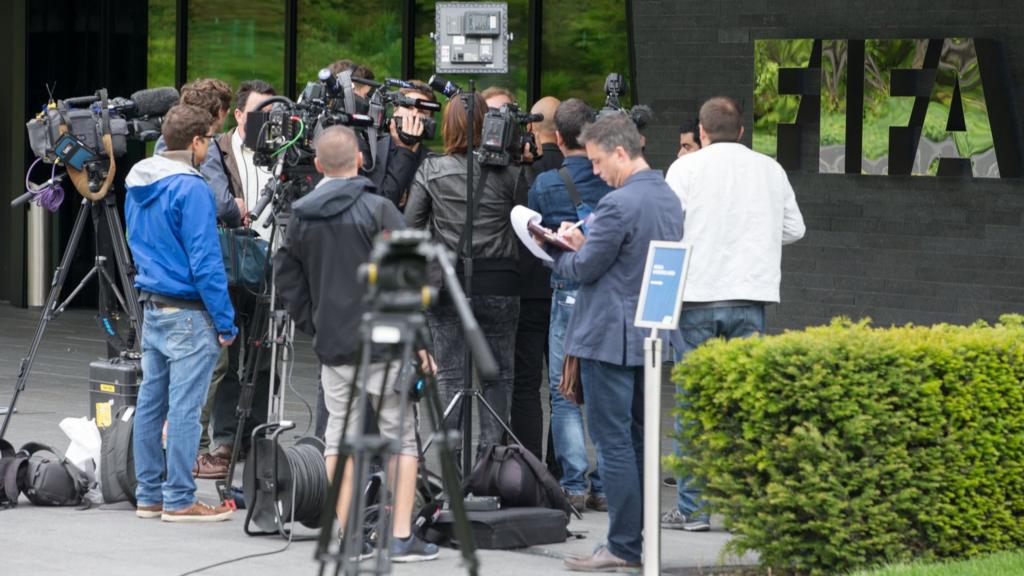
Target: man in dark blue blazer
x=609 y=266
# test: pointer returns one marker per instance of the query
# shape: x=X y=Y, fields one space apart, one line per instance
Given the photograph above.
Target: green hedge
x=846 y=446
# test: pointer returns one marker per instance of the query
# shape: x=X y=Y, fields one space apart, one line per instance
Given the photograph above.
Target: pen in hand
x=573 y=227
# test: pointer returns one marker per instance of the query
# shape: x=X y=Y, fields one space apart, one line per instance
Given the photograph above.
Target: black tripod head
x=397 y=281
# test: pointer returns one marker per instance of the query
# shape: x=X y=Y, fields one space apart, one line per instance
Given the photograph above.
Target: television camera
x=284 y=133
x=614 y=87
x=86 y=133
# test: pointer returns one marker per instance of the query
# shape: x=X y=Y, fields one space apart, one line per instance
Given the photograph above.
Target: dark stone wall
x=897 y=249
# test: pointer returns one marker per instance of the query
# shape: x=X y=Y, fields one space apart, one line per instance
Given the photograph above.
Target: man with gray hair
x=317 y=272
x=609 y=266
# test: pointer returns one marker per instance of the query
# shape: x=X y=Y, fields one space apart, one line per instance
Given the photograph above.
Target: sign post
x=661 y=301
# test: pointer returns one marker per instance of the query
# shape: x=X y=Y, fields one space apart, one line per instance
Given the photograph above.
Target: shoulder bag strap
x=465 y=241
x=574 y=194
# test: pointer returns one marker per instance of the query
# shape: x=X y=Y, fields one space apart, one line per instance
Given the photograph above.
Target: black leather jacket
x=437 y=202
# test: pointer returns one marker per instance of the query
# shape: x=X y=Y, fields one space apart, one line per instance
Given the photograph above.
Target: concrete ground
x=38 y=541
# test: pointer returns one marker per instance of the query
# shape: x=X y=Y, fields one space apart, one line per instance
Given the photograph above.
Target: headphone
x=49 y=194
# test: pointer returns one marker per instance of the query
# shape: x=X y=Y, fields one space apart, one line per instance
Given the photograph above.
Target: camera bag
x=46 y=478
x=117 y=460
x=516 y=476
x=504 y=529
x=9 y=464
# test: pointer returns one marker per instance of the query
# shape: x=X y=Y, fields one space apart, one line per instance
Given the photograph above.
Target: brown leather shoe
x=210 y=467
x=599 y=503
x=149 y=511
x=578 y=501
x=197 y=512
x=602 y=560
x=224 y=453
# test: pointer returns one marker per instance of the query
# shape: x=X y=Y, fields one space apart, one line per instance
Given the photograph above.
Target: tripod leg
x=60 y=275
x=125 y=268
x=483 y=401
x=452 y=485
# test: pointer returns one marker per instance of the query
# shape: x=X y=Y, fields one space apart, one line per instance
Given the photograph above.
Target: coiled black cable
x=309 y=483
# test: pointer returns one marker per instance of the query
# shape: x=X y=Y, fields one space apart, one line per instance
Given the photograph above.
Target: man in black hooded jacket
x=329 y=238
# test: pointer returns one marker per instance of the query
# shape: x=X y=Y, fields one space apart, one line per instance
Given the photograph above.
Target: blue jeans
x=615 y=411
x=696 y=327
x=566 y=417
x=179 y=350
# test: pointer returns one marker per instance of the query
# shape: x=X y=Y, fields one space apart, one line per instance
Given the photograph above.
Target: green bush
x=846 y=446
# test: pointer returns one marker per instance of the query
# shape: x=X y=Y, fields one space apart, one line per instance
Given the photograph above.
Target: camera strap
x=465 y=239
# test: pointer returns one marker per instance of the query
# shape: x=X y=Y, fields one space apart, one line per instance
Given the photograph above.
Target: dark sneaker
x=197 y=512
x=149 y=511
x=669 y=481
x=412 y=549
x=367 y=550
x=673 y=520
x=698 y=524
x=597 y=502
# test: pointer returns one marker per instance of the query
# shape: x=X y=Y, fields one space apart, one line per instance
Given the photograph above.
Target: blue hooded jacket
x=172 y=232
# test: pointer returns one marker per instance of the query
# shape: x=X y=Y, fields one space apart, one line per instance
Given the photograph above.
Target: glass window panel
x=515 y=80
x=236 y=40
x=583 y=42
x=368 y=32
x=160 y=61
x=770 y=107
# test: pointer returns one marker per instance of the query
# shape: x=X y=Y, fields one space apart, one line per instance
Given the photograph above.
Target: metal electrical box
x=471 y=38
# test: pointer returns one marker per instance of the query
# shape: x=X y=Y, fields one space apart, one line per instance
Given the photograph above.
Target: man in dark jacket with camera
x=329 y=238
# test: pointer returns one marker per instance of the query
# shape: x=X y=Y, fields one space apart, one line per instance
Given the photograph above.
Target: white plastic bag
x=84 y=452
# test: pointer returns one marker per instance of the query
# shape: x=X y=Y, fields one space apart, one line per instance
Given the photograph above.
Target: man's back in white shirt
x=739 y=210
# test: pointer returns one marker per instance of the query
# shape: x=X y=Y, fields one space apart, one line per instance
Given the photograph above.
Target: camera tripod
x=104 y=216
x=400 y=333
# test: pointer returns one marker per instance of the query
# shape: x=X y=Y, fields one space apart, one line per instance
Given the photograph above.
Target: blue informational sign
x=661 y=297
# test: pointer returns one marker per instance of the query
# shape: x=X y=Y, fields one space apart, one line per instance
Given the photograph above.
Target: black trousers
x=527 y=420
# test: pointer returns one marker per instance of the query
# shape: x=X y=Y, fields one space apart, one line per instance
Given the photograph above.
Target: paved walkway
x=39 y=541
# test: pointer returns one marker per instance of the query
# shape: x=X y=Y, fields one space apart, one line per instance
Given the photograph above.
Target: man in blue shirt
x=609 y=265
x=550 y=197
x=188 y=317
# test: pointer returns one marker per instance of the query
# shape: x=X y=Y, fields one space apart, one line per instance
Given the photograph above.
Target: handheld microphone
x=444 y=86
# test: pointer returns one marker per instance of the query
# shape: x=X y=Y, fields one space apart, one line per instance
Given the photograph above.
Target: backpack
x=515 y=475
x=117 y=461
x=45 y=477
x=9 y=490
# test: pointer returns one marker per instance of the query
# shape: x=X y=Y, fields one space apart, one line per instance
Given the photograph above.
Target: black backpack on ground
x=9 y=490
x=117 y=460
x=45 y=477
x=515 y=475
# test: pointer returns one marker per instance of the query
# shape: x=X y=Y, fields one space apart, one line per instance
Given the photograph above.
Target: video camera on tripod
x=86 y=133
x=285 y=133
x=614 y=88
x=504 y=136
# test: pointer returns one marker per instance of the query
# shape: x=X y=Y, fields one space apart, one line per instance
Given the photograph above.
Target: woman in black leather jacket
x=437 y=202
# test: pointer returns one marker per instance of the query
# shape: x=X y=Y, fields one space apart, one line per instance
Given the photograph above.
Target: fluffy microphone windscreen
x=155 y=101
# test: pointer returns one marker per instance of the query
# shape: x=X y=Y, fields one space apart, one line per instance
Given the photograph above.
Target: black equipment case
x=506 y=528
x=113 y=383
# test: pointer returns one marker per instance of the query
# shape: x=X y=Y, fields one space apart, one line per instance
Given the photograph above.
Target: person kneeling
x=319 y=283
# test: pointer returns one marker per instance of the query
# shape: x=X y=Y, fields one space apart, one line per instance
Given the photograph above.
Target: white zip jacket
x=739 y=211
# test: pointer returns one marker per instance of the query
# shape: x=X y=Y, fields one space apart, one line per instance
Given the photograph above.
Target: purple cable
x=50 y=196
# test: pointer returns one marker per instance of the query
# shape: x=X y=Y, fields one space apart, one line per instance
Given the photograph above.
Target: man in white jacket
x=740 y=210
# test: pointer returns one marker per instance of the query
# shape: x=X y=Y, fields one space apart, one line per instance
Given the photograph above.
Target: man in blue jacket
x=609 y=265
x=172 y=232
x=550 y=197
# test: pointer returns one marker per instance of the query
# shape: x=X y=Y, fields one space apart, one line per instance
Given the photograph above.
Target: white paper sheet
x=521 y=217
